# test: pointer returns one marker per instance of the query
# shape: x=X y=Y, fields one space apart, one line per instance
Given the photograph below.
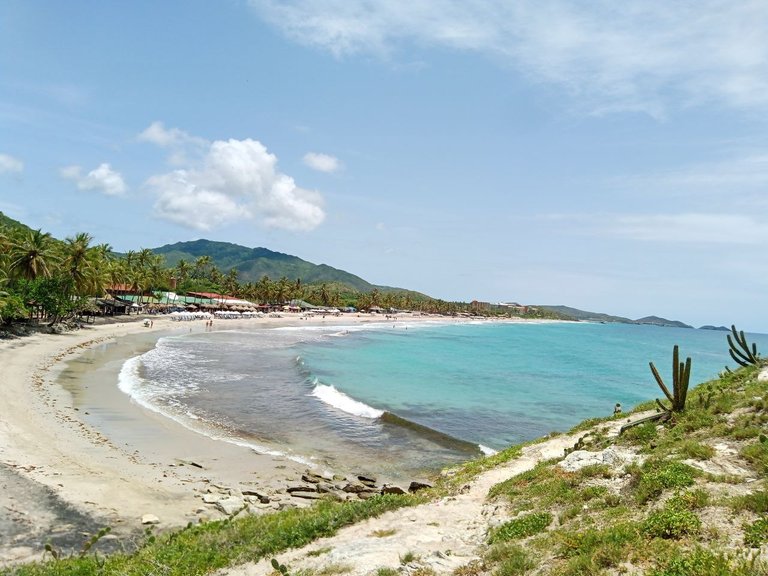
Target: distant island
x=586 y=316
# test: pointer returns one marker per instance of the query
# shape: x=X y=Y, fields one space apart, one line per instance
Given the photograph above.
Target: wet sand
x=77 y=454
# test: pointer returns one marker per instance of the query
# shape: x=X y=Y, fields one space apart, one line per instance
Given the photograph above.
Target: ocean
x=401 y=400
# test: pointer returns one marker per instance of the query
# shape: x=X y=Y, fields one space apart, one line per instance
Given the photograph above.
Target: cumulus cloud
x=9 y=164
x=180 y=144
x=101 y=179
x=322 y=162
x=235 y=180
x=644 y=55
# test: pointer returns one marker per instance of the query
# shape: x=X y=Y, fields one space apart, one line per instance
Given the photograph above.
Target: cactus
x=279 y=568
x=740 y=351
x=681 y=375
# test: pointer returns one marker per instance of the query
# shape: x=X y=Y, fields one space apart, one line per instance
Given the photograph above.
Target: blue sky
x=609 y=156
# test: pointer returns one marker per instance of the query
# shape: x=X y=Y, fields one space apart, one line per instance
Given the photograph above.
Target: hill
x=586 y=316
x=253 y=263
x=657 y=321
x=8 y=222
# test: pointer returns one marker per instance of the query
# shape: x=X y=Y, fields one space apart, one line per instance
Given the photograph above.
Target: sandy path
x=444 y=534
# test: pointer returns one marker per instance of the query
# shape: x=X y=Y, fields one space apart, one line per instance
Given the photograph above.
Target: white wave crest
x=487 y=451
x=333 y=397
x=129 y=381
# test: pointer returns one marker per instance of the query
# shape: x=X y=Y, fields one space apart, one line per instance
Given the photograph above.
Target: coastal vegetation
x=58 y=281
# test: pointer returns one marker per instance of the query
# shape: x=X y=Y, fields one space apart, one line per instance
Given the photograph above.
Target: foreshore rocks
x=309 y=487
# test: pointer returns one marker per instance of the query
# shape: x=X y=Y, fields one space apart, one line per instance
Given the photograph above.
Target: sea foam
x=129 y=381
x=333 y=397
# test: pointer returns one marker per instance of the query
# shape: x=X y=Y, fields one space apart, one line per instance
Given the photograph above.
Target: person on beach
x=617 y=408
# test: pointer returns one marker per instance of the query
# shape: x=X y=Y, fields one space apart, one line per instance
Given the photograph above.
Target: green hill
x=8 y=222
x=584 y=315
x=253 y=263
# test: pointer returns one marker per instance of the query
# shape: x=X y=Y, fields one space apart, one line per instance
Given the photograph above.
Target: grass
x=522 y=527
x=650 y=521
x=384 y=533
x=756 y=533
x=204 y=548
x=756 y=502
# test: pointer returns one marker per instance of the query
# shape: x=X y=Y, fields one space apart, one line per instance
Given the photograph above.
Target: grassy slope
x=661 y=516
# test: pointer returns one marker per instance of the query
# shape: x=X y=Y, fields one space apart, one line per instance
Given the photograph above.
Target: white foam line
x=127 y=382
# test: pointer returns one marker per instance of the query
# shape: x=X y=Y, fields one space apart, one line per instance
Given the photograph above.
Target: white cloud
x=322 y=162
x=683 y=228
x=157 y=133
x=740 y=173
x=101 y=179
x=10 y=164
x=692 y=228
x=236 y=180
x=181 y=145
x=643 y=55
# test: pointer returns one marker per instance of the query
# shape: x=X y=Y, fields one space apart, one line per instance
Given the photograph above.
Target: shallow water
x=402 y=399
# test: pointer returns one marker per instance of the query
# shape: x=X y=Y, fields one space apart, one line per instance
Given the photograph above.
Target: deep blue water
x=328 y=395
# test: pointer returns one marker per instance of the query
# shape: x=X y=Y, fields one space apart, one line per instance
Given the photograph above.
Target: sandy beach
x=75 y=457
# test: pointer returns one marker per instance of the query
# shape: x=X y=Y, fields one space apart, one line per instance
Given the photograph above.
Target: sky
x=611 y=156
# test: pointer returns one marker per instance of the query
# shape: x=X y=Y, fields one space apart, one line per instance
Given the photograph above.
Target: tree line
x=58 y=279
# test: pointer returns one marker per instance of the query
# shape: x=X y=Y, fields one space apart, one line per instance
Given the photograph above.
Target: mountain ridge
x=253 y=263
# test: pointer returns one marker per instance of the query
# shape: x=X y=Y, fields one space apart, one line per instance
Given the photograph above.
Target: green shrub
x=522 y=527
x=591 y=550
x=511 y=559
x=592 y=492
x=757 y=454
x=690 y=499
x=642 y=434
x=756 y=534
x=756 y=502
x=673 y=521
x=656 y=477
x=745 y=432
x=696 y=450
x=703 y=562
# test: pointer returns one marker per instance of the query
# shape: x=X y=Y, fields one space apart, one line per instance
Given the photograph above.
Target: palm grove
x=58 y=279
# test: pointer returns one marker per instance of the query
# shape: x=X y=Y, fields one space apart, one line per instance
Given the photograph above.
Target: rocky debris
x=148 y=519
x=417 y=485
x=301 y=488
x=392 y=489
x=311 y=478
x=230 y=505
x=366 y=480
x=255 y=494
x=613 y=456
x=307 y=495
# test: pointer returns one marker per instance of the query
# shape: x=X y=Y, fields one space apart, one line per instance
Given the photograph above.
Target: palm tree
x=282 y=290
x=201 y=267
x=32 y=254
x=182 y=271
x=230 y=283
x=265 y=289
x=78 y=263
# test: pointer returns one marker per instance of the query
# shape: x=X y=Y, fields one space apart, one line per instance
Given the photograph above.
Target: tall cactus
x=681 y=375
x=740 y=350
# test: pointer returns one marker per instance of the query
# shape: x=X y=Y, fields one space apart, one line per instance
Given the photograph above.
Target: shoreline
x=156 y=467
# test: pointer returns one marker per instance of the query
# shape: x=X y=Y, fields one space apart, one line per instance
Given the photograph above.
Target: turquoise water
x=499 y=384
x=401 y=399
